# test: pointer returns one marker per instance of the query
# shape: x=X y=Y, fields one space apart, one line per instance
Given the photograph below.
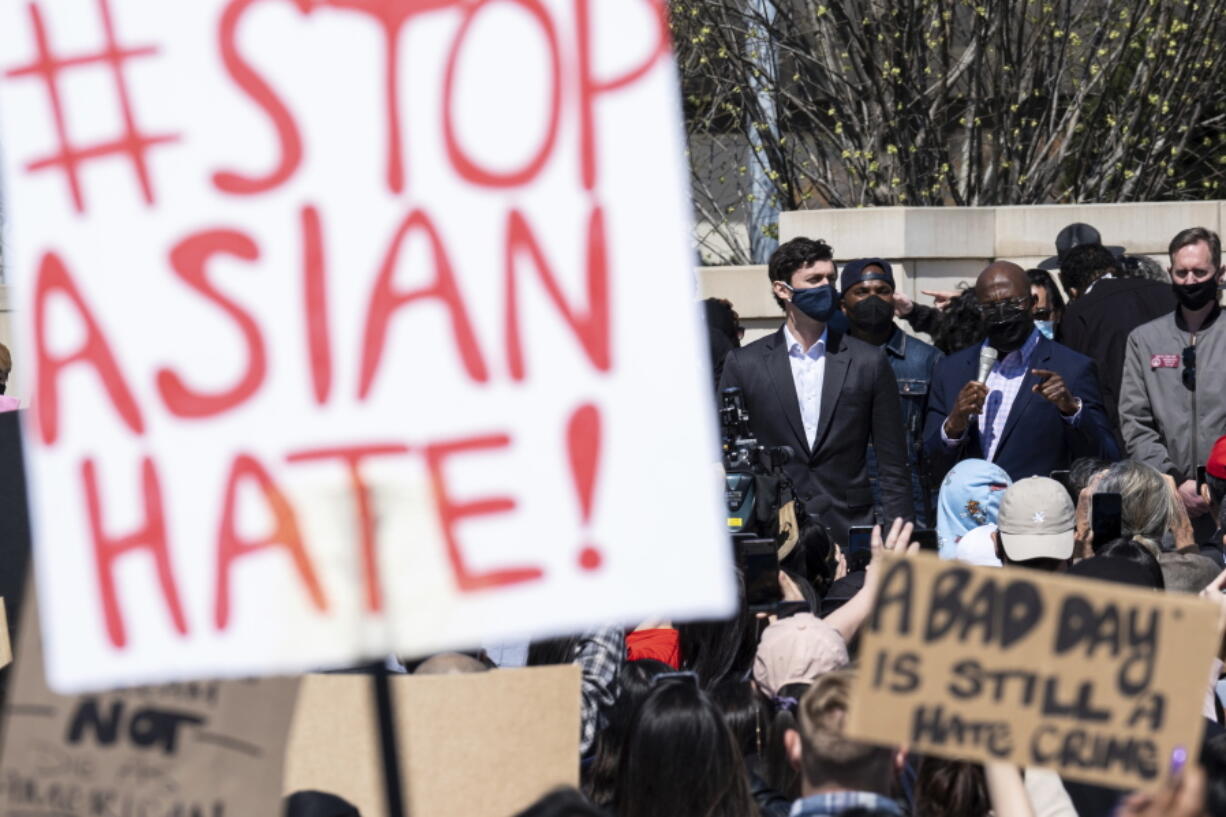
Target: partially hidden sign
x=487 y=744
x=211 y=748
x=353 y=328
x=1098 y=681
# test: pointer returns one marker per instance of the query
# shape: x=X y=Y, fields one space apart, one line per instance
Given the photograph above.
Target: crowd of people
x=1031 y=399
x=998 y=436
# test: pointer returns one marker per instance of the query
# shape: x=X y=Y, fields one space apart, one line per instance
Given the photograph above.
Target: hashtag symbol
x=131 y=143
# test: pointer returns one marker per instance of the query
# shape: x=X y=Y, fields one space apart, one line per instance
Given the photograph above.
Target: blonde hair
x=828 y=756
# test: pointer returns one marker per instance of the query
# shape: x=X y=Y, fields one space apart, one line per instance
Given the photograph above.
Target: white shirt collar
x=795 y=345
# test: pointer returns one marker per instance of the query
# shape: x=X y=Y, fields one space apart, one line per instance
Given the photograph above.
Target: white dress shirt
x=808 y=372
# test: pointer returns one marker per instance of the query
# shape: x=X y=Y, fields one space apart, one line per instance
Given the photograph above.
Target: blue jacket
x=1036 y=439
x=913 y=362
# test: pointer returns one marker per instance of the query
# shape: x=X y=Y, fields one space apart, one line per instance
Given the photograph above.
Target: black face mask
x=1009 y=335
x=1196 y=296
x=872 y=315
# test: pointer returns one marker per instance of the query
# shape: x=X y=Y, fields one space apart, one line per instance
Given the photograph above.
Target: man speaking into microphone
x=1019 y=400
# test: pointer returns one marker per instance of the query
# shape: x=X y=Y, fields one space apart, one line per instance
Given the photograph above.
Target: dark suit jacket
x=1097 y=326
x=1036 y=440
x=859 y=402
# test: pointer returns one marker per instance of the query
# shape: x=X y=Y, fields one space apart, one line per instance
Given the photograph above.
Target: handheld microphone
x=987 y=359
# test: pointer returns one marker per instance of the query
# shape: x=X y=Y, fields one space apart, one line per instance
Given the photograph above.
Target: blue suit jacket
x=1036 y=439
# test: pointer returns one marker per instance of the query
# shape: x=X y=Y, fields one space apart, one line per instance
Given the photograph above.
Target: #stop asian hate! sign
x=354 y=326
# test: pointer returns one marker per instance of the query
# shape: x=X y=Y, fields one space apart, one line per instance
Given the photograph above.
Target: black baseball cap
x=1074 y=235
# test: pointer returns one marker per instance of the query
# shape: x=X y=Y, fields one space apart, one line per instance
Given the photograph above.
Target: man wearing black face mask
x=867 y=285
x=1039 y=407
x=1173 y=394
x=826 y=395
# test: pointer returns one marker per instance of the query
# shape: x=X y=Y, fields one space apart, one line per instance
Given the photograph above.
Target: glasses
x=1000 y=311
x=1042 y=314
x=1189 y=368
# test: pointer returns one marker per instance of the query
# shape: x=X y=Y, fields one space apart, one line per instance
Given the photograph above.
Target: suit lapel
x=838 y=359
x=780 y=370
x=1021 y=403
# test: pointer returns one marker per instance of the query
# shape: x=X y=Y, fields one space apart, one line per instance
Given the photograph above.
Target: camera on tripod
x=745 y=462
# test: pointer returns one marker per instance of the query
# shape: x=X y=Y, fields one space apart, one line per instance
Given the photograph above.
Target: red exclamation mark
x=583 y=443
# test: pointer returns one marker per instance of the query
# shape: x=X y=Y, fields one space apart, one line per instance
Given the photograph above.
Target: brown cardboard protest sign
x=6 y=649
x=180 y=750
x=481 y=745
x=1098 y=681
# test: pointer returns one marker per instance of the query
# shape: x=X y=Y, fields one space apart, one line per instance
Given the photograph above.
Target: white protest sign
x=353 y=326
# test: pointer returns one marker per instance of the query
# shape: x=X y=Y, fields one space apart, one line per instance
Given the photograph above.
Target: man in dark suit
x=824 y=394
x=1039 y=409
x=1104 y=310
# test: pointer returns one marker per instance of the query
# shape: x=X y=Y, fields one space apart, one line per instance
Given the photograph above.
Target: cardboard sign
x=486 y=745
x=211 y=748
x=353 y=328
x=1098 y=681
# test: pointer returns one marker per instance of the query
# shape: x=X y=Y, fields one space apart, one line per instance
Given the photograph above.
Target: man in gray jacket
x=1173 y=394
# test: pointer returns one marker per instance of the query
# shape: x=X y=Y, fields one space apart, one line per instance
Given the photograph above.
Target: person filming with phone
x=1018 y=400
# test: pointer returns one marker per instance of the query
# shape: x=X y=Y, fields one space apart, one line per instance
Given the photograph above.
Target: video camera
x=746 y=462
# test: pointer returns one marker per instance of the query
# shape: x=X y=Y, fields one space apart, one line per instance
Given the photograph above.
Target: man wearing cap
x=867 y=287
x=1037 y=408
x=1035 y=526
x=1104 y=310
x=1172 y=395
x=824 y=394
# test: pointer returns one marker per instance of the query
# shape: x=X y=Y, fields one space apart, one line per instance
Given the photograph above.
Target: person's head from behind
x=1187 y=572
x=826 y=758
x=950 y=788
x=1048 y=302
x=969 y=498
x=1141 y=266
x=680 y=758
x=450 y=663
x=1140 y=555
x=1035 y=525
x=717 y=649
x=748 y=713
x=1146 y=502
x=634 y=684
x=1085 y=264
x=799 y=265
x=1196 y=267
x=1006 y=306
x=1083 y=471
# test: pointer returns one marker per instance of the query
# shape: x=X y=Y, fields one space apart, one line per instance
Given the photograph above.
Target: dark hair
x=1217 y=489
x=1082 y=471
x=1213 y=758
x=961 y=325
x=1141 y=266
x=747 y=712
x=634 y=683
x=562 y=802
x=778 y=770
x=1137 y=554
x=680 y=758
x=1055 y=301
x=1195 y=235
x=1085 y=264
x=549 y=651
x=950 y=788
x=716 y=649
x=793 y=255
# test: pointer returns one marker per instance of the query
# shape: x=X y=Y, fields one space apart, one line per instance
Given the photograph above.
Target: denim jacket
x=913 y=362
